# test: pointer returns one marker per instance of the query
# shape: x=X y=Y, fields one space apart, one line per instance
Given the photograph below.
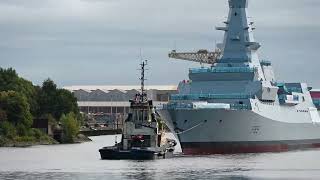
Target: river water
x=82 y=161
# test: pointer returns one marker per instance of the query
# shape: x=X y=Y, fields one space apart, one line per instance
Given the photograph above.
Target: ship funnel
x=238 y=3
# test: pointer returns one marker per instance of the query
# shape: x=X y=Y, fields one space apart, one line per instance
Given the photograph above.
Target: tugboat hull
x=133 y=154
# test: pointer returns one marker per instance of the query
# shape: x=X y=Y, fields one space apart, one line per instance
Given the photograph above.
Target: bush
x=70 y=127
x=47 y=139
x=3 y=115
x=3 y=141
x=8 y=130
x=24 y=139
x=38 y=134
x=22 y=130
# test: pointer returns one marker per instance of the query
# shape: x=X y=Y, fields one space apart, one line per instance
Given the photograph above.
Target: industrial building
x=115 y=99
x=110 y=104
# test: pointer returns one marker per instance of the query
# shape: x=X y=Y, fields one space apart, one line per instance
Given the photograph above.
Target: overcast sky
x=98 y=42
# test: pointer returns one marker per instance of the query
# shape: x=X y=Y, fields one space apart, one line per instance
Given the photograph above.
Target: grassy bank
x=25 y=141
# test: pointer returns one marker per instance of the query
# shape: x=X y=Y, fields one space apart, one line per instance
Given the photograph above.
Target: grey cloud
x=98 y=41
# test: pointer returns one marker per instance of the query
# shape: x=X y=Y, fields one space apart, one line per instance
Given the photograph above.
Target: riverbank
x=46 y=140
x=81 y=139
x=26 y=141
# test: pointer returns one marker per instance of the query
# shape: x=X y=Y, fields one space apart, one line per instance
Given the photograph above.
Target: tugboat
x=142 y=138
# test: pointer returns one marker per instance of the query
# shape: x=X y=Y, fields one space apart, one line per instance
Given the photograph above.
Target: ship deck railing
x=222 y=70
x=209 y=96
x=189 y=106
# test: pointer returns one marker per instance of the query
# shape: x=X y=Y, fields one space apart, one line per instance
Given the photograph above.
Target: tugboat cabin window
x=140 y=141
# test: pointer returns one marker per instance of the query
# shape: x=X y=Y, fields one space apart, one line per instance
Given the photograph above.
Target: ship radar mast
x=239 y=48
x=143 y=95
x=238 y=45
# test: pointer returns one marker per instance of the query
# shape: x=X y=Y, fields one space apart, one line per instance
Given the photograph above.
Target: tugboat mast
x=142 y=79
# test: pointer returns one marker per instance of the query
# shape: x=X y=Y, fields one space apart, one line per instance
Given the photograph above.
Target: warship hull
x=227 y=132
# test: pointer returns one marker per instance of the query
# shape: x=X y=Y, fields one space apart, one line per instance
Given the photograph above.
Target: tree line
x=21 y=102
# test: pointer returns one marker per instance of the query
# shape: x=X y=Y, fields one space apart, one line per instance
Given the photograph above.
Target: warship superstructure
x=236 y=105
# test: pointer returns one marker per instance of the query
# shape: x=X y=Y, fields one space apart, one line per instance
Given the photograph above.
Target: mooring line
x=190 y=128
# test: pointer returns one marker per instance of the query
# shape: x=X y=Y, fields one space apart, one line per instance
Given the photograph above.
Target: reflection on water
x=86 y=176
x=82 y=161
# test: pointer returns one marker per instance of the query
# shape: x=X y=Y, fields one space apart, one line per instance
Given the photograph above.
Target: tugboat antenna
x=142 y=79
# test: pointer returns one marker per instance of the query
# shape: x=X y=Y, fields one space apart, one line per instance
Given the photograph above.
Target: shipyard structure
x=235 y=104
x=109 y=105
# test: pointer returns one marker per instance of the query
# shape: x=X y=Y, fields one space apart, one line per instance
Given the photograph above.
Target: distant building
x=115 y=99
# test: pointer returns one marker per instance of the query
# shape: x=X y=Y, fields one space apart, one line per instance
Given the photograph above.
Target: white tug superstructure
x=236 y=105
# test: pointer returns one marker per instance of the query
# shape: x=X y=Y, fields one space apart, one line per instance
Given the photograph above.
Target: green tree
x=56 y=101
x=10 y=81
x=16 y=107
x=70 y=127
x=47 y=98
x=66 y=103
x=20 y=101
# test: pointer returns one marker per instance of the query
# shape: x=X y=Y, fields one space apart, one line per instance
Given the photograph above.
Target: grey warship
x=235 y=105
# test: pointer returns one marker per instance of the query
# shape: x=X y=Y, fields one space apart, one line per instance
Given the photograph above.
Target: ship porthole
x=185 y=121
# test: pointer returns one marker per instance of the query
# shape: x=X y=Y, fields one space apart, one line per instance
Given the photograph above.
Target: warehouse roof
x=120 y=87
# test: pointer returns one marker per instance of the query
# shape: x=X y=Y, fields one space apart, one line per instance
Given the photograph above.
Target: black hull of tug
x=133 y=154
